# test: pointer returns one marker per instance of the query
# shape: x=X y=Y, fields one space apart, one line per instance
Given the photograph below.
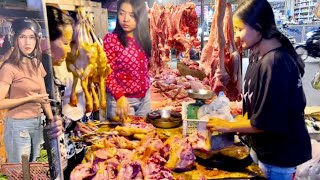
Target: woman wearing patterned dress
x=128 y=49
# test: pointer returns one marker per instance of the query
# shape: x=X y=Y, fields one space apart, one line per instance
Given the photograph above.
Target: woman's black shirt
x=274 y=100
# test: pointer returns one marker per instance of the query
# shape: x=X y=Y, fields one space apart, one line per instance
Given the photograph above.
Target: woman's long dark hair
x=258 y=14
x=16 y=55
x=56 y=20
x=6 y=46
x=141 y=33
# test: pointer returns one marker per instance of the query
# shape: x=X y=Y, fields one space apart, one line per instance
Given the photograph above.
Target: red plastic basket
x=38 y=171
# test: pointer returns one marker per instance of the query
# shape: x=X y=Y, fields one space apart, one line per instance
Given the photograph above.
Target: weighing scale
x=193 y=123
x=200 y=96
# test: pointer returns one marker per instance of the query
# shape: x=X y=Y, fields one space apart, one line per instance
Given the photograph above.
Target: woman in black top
x=273 y=95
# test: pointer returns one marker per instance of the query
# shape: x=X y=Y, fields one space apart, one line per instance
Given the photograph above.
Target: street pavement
x=312 y=95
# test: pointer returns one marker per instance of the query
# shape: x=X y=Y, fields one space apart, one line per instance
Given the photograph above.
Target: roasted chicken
x=88 y=62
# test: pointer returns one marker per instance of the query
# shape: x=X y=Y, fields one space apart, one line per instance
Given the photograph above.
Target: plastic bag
x=220 y=102
x=310 y=170
x=316 y=81
x=219 y=108
x=203 y=112
x=222 y=113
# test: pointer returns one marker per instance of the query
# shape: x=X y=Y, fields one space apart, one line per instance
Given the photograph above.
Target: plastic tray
x=38 y=171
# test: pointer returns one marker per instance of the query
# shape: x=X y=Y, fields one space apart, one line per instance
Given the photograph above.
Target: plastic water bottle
x=223 y=98
x=220 y=102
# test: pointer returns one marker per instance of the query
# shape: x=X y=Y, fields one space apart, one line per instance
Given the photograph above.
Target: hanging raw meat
x=185 y=22
x=232 y=58
x=160 y=31
x=212 y=59
x=172 y=27
x=220 y=59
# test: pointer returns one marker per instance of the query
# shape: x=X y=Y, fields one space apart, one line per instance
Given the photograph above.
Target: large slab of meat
x=176 y=27
x=172 y=27
x=220 y=59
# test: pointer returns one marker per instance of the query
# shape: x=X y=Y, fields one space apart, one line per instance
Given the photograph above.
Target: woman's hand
x=220 y=125
x=39 y=98
x=122 y=107
x=241 y=125
x=84 y=128
x=56 y=127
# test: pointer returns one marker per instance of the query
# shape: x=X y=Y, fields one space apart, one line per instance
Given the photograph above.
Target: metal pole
x=57 y=163
x=202 y=23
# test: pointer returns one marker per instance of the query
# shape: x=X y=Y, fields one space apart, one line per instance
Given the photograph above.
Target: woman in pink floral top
x=128 y=50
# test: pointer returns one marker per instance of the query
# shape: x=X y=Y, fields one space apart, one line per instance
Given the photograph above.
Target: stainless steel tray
x=166 y=119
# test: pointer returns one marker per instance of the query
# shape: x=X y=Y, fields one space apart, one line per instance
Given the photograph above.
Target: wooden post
x=25 y=167
x=100 y=22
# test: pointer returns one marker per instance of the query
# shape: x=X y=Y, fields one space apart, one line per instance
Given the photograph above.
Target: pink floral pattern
x=130 y=68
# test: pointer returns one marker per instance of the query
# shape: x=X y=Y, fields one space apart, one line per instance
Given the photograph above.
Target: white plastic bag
x=222 y=113
x=220 y=102
x=310 y=170
x=219 y=108
x=316 y=81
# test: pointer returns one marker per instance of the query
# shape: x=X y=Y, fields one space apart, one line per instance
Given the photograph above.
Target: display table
x=312 y=109
x=139 y=152
x=312 y=118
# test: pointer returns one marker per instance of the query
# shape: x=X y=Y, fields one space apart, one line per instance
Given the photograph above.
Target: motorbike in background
x=284 y=32
x=311 y=47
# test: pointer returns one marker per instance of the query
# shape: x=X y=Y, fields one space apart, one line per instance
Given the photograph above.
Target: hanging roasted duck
x=87 y=62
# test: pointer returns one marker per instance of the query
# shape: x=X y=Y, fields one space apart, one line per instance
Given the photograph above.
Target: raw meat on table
x=170 y=90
